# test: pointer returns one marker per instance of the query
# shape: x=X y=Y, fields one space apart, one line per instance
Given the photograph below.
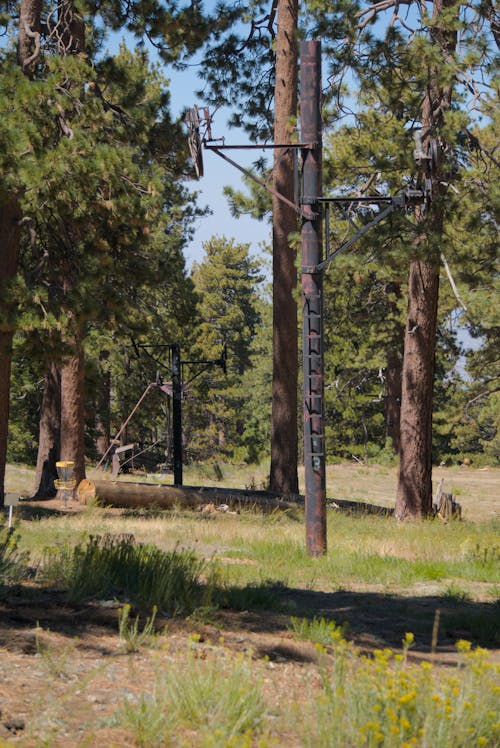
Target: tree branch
x=452 y=282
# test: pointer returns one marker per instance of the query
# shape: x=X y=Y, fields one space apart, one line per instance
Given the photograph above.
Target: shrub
x=384 y=701
x=115 y=566
x=218 y=700
x=13 y=562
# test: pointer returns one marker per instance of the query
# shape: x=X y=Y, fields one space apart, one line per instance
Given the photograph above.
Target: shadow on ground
x=374 y=620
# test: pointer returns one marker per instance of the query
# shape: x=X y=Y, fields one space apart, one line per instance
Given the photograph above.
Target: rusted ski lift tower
x=312 y=299
x=310 y=209
x=176 y=388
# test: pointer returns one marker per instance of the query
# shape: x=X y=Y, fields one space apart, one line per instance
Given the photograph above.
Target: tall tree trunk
x=72 y=406
x=10 y=215
x=71 y=40
x=392 y=402
x=49 y=435
x=414 y=493
x=284 y=436
x=10 y=234
x=414 y=490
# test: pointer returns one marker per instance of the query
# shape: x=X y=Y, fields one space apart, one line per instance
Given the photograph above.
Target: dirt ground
x=64 y=673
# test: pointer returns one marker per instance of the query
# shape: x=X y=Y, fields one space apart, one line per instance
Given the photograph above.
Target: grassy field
x=183 y=628
x=478 y=490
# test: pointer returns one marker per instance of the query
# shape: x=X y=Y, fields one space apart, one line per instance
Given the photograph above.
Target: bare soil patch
x=64 y=672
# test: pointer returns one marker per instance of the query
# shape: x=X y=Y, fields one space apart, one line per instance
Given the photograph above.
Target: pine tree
x=424 y=77
x=227 y=282
x=261 y=73
x=284 y=438
x=44 y=52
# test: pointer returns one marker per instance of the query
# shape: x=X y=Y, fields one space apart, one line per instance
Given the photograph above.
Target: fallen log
x=126 y=494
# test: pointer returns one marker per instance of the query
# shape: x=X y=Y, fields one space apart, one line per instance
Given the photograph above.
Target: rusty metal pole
x=312 y=298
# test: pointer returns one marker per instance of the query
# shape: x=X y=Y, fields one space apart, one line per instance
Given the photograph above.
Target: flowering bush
x=386 y=701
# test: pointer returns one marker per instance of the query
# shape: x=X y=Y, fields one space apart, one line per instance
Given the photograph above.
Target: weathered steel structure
x=312 y=298
x=313 y=209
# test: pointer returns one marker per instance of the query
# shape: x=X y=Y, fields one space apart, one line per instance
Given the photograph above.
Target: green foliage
x=363 y=337
x=115 y=566
x=131 y=638
x=385 y=701
x=239 y=67
x=227 y=282
x=90 y=146
x=318 y=630
x=24 y=411
x=13 y=562
x=214 y=698
x=98 y=163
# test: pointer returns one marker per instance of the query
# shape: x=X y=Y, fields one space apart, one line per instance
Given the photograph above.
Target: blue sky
x=217 y=174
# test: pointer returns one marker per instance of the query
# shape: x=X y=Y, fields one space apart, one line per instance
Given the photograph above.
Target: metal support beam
x=312 y=299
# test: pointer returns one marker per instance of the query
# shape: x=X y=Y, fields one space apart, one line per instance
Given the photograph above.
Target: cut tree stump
x=445 y=507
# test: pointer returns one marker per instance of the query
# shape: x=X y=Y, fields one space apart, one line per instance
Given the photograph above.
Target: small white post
x=11 y=500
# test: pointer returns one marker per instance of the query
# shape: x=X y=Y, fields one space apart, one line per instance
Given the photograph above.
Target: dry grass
x=477 y=490
x=384 y=578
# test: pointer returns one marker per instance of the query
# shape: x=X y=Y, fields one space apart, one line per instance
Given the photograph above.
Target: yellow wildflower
x=407 y=697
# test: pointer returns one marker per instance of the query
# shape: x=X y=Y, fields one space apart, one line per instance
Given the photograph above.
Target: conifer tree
x=260 y=73
x=226 y=281
x=425 y=76
x=10 y=233
x=53 y=55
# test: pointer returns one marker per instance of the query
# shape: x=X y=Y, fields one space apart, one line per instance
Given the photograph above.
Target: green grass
x=317 y=630
x=132 y=637
x=217 y=701
x=191 y=567
x=13 y=561
x=347 y=700
x=115 y=566
x=362 y=550
x=384 y=701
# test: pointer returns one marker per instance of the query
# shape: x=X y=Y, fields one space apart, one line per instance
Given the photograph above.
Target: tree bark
x=49 y=435
x=71 y=41
x=392 y=402
x=414 y=490
x=394 y=371
x=128 y=494
x=284 y=435
x=28 y=45
x=10 y=215
x=72 y=406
